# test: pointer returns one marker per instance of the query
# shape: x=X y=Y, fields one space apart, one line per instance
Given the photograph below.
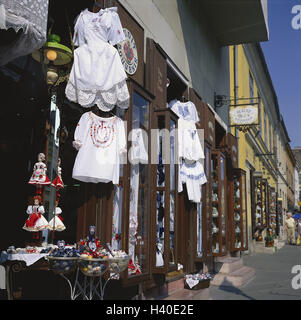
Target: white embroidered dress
x=97 y=75
x=101 y=142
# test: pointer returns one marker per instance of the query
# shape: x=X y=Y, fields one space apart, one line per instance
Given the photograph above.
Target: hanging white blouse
x=189 y=145
x=184 y=110
x=138 y=151
x=100 y=142
x=97 y=75
x=192 y=174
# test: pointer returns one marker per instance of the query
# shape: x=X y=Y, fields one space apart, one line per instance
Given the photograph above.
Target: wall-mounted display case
x=272 y=209
x=260 y=208
x=238 y=211
x=219 y=204
x=164 y=193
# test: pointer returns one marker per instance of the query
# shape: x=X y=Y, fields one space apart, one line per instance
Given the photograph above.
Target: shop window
x=139 y=186
x=260 y=204
x=272 y=209
x=219 y=201
x=165 y=175
x=238 y=210
x=199 y=231
x=207 y=192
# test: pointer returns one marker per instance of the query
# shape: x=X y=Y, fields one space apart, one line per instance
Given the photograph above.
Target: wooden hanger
x=184 y=99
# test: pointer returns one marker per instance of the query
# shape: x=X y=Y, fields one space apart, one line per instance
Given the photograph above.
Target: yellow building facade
x=250 y=84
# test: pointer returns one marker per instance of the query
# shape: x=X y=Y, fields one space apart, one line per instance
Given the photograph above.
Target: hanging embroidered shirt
x=97 y=75
x=192 y=174
x=190 y=151
x=138 y=151
x=184 y=110
x=100 y=142
x=189 y=145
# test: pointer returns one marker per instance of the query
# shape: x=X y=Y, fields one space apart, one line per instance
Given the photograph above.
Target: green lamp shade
x=64 y=54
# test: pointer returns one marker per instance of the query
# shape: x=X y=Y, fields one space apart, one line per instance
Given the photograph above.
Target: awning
x=237 y=21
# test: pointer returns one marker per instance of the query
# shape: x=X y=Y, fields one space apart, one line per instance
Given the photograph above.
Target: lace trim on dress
x=20 y=13
x=105 y=100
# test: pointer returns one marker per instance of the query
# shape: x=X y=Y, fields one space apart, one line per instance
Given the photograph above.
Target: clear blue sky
x=283 y=56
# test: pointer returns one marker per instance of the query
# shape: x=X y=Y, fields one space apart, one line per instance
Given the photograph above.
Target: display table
x=90 y=286
x=88 y=283
x=22 y=262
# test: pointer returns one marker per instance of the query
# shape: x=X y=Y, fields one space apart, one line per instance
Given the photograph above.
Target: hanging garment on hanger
x=31 y=17
x=97 y=75
x=190 y=151
x=138 y=150
x=100 y=143
x=185 y=110
x=192 y=174
x=189 y=145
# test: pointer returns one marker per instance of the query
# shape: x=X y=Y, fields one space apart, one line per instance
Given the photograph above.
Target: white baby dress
x=97 y=75
x=101 y=143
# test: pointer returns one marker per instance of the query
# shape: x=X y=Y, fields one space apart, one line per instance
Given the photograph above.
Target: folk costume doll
x=58 y=183
x=39 y=176
x=36 y=221
x=97 y=76
x=56 y=223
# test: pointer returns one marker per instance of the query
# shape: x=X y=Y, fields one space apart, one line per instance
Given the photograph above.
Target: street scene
x=151 y=151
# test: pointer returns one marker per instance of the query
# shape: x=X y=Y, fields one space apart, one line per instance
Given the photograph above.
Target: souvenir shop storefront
x=167 y=219
x=266 y=210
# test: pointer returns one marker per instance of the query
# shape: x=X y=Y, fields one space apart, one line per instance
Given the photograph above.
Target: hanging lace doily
x=31 y=17
x=105 y=100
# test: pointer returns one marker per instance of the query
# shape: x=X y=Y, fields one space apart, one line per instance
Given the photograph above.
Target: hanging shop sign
x=128 y=53
x=245 y=115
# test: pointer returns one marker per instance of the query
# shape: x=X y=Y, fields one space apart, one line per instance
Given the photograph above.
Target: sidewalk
x=272 y=281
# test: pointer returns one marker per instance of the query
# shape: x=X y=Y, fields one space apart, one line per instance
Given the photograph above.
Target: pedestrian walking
x=290 y=228
x=298 y=232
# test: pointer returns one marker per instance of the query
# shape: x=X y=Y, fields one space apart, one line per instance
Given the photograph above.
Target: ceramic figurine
x=56 y=223
x=36 y=221
x=39 y=177
x=58 y=182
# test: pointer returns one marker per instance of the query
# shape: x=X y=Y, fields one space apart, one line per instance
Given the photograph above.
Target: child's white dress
x=97 y=75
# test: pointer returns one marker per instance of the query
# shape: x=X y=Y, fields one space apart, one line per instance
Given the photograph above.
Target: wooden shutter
x=156 y=73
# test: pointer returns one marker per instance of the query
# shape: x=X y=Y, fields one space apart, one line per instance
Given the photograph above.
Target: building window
x=251 y=85
x=265 y=128
x=270 y=136
x=259 y=115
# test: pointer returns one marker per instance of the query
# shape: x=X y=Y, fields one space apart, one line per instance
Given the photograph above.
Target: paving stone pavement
x=272 y=281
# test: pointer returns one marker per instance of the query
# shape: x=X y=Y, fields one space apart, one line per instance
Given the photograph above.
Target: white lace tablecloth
x=28 y=258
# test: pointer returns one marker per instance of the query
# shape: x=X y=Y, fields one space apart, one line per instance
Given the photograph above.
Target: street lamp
x=54 y=55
